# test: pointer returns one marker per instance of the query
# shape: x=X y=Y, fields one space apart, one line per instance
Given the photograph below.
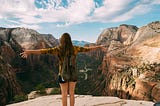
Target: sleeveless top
x=67 y=64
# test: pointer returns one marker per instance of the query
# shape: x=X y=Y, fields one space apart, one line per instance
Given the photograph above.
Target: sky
x=82 y=19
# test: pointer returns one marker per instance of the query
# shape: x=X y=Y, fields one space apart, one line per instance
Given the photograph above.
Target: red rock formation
x=130 y=63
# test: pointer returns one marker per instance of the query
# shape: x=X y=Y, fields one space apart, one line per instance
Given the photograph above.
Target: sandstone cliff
x=131 y=66
x=9 y=87
x=15 y=71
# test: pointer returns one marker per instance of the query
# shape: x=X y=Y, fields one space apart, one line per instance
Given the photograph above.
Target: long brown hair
x=66 y=46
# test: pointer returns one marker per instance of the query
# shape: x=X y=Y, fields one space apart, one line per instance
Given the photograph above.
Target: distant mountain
x=79 y=43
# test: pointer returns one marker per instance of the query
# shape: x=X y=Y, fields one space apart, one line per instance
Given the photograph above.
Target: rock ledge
x=83 y=100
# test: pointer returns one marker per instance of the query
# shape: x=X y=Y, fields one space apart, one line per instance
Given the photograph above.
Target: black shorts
x=61 y=80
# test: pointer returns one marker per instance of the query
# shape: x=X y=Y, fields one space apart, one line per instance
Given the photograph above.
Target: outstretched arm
x=86 y=49
x=28 y=52
x=54 y=50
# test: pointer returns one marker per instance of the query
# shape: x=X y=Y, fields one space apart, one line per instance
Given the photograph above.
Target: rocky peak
x=27 y=38
x=146 y=43
x=52 y=41
x=117 y=37
x=124 y=34
x=31 y=39
x=155 y=25
x=106 y=36
x=146 y=32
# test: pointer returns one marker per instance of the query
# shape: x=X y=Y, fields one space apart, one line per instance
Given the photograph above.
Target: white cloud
x=26 y=13
x=31 y=26
x=14 y=7
x=110 y=10
x=137 y=10
x=156 y=2
x=12 y=24
x=79 y=11
x=63 y=25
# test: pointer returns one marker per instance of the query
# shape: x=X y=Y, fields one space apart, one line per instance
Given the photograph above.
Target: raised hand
x=24 y=54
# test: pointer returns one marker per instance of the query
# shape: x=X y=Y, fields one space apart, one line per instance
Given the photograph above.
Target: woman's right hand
x=24 y=54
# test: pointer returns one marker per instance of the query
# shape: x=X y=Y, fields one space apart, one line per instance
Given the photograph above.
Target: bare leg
x=64 y=91
x=71 y=92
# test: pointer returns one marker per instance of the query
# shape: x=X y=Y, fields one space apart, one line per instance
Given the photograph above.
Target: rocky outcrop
x=31 y=39
x=123 y=34
x=83 y=100
x=130 y=68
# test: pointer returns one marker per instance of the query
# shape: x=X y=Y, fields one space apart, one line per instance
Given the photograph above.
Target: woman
x=66 y=53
